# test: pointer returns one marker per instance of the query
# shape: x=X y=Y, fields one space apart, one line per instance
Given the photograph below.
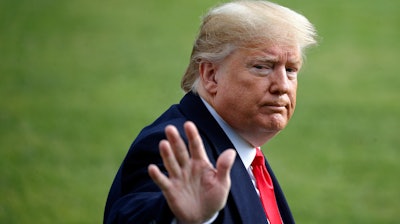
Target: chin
x=276 y=123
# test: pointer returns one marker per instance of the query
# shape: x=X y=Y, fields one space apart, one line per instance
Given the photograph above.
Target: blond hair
x=244 y=23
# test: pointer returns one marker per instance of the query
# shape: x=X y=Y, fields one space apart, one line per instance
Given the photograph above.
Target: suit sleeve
x=134 y=197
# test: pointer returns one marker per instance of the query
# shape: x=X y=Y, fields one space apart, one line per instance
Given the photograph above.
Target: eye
x=261 y=69
x=291 y=72
x=259 y=66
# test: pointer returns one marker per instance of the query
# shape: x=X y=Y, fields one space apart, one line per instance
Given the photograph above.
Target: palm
x=194 y=190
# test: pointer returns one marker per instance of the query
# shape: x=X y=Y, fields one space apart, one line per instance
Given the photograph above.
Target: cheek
x=238 y=100
x=237 y=88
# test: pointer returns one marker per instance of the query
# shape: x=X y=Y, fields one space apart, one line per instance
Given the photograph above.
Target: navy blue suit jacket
x=135 y=198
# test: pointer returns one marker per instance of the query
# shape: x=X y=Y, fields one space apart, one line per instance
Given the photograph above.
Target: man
x=240 y=92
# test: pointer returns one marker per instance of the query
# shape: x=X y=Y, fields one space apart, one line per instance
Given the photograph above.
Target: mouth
x=275 y=107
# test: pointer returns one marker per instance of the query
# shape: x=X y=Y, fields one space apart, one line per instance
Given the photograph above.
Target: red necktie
x=266 y=188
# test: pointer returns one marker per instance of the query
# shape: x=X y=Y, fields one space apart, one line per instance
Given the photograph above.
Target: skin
x=254 y=91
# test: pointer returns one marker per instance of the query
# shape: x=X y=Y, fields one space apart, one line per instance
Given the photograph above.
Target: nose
x=279 y=81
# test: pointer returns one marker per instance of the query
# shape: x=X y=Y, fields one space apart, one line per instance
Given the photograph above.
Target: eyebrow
x=264 y=58
x=274 y=59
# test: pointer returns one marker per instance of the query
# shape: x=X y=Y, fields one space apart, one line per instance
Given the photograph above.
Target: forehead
x=272 y=52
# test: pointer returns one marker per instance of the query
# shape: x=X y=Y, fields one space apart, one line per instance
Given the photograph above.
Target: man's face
x=256 y=90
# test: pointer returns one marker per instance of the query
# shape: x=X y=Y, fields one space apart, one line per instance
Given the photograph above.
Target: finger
x=169 y=159
x=158 y=177
x=224 y=165
x=196 y=146
x=178 y=145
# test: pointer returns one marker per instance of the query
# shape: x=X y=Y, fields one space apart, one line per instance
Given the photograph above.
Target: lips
x=275 y=104
x=275 y=107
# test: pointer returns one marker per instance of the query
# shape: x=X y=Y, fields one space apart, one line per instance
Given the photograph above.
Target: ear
x=208 y=71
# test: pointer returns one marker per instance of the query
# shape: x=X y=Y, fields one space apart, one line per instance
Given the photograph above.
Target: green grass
x=79 y=79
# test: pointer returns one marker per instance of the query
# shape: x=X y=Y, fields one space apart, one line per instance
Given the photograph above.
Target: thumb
x=224 y=164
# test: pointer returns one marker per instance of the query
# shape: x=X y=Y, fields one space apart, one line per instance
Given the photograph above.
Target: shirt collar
x=244 y=149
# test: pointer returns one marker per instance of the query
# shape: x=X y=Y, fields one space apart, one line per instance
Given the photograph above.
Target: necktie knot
x=258 y=159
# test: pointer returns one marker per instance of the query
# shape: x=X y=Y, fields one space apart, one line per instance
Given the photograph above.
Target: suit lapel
x=243 y=193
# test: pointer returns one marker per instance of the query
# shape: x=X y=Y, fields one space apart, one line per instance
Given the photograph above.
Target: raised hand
x=194 y=189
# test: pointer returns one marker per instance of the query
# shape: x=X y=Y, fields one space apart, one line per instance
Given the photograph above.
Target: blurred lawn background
x=80 y=78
